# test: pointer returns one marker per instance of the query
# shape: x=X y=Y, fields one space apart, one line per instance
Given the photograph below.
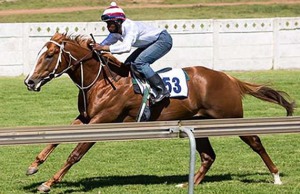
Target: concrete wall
x=229 y=44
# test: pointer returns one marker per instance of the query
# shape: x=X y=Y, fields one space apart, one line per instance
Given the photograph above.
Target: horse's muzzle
x=33 y=85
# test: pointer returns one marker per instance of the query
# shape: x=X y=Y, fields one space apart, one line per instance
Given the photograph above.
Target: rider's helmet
x=113 y=13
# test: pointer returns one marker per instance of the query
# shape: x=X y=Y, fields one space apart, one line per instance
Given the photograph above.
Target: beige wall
x=235 y=44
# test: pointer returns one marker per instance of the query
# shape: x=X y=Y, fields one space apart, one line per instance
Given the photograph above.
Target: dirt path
x=85 y=8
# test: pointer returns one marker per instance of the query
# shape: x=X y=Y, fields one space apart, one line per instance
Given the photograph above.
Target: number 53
x=172 y=84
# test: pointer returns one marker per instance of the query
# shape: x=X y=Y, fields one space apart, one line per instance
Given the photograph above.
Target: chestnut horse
x=106 y=95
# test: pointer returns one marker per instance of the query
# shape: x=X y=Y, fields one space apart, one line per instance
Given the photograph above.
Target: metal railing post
x=189 y=132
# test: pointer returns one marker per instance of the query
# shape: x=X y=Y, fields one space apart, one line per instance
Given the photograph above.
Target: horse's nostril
x=30 y=82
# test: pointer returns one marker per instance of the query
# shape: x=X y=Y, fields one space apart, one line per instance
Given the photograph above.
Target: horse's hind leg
x=79 y=151
x=256 y=145
x=208 y=157
x=40 y=159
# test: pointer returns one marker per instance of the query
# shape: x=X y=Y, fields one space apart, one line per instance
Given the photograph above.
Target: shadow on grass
x=88 y=184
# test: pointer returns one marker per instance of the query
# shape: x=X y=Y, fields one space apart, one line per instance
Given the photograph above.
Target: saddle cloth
x=175 y=81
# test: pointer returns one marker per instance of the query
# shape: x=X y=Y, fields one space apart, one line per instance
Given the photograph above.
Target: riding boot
x=158 y=85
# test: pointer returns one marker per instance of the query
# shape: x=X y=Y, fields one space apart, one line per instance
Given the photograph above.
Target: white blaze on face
x=42 y=51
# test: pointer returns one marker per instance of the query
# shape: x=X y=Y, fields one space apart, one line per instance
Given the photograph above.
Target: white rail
x=147 y=130
x=150 y=130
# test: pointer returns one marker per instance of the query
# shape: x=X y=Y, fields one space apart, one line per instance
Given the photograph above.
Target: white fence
x=229 y=44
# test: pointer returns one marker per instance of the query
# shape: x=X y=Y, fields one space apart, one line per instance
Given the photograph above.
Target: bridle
x=62 y=50
x=82 y=88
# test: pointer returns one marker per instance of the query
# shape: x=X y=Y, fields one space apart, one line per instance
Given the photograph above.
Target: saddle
x=175 y=81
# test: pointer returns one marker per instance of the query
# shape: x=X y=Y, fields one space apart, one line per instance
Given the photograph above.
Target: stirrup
x=160 y=97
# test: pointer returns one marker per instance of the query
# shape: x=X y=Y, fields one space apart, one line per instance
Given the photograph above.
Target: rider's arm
x=112 y=38
x=129 y=36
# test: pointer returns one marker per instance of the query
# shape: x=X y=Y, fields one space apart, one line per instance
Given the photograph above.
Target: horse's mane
x=81 y=40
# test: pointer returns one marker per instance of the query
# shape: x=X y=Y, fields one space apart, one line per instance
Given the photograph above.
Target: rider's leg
x=131 y=58
x=153 y=79
x=161 y=91
x=148 y=56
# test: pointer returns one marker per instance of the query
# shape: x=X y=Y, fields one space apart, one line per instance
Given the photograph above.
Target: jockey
x=151 y=43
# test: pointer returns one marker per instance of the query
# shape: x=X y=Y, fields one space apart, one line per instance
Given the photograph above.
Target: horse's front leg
x=79 y=151
x=40 y=159
x=45 y=153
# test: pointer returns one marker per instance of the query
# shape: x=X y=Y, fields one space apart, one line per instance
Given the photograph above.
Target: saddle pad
x=175 y=81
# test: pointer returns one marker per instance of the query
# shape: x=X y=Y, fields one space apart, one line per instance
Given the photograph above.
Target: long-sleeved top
x=134 y=34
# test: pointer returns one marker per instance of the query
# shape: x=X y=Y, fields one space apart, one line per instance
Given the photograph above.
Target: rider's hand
x=98 y=47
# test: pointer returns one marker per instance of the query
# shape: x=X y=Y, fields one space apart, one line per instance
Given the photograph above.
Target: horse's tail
x=267 y=94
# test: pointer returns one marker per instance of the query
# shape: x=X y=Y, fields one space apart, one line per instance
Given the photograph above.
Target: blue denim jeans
x=142 y=58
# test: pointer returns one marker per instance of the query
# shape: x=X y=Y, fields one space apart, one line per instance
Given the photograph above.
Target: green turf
x=152 y=166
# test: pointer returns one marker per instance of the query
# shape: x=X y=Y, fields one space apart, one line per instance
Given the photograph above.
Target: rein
x=82 y=88
x=53 y=74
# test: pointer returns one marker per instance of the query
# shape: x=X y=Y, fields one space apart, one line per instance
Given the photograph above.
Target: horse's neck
x=114 y=67
x=90 y=71
x=86 y=73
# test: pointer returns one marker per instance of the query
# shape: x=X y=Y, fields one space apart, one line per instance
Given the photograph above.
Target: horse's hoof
x=277 y=183
x=182 y=185
x=44 y=188
x=277 y=180
x=31 y=170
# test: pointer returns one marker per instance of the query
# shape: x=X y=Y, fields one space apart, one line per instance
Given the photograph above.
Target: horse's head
x=54 y=59
x=72 y=55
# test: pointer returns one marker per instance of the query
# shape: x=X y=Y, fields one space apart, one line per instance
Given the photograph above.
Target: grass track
x=152 y=166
